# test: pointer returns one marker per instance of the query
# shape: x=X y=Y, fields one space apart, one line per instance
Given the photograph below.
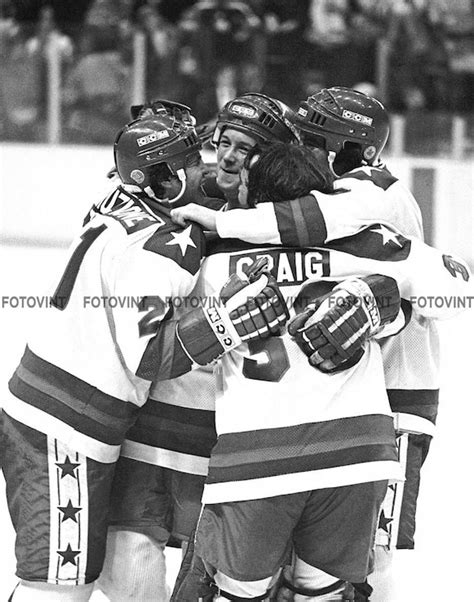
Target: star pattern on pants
x=69 y=511
x=67 y=467
x=69 y=555
x=384 y=521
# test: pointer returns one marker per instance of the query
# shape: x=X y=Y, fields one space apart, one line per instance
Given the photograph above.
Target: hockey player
x=159 y=479
x=267 y=468
x=410 y=360
x=93 y=352
x=353 y=129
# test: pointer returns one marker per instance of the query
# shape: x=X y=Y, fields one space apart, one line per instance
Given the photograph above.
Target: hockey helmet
x=338 y=115
x=265 y=118
x=153 y=140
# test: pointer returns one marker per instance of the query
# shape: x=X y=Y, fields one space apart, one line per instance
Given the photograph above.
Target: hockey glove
x=333 y=330
x=250 y=308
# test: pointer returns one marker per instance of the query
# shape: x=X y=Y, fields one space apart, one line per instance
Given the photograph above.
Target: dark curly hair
x=282 y=172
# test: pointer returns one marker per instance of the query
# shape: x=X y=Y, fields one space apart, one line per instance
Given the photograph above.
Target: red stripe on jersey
x=300 y=222
x=304 y=447
x=185 y=430
x=72 y=400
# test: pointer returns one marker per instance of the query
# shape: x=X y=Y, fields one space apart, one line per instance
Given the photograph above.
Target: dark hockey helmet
x=338 y=115
x=265 y=118
x=152 y=140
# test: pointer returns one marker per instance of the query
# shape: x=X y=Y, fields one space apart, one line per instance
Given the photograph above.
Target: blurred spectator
x=284 y=25
x=343 y=35
x=97 y=91
x=25 y=73
x=47 y=39
x=20 y=91
x=419 y=62
x=203 y=52
x=106 y=13
x=9 y=30
x=218 y=38
x=367 y=23
x=329 y=35
x=462 y=70
x=8 y=27
x=48 y=33
x=459 y=28
x=161 y=50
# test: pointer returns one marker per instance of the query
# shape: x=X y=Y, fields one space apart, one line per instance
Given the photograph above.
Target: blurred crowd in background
x=417 y=56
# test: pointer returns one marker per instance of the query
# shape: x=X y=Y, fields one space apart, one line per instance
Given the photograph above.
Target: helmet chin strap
x=181 y=174
x=331 y=158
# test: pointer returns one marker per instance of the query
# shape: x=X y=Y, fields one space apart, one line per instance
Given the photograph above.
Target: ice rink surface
x=438 y=570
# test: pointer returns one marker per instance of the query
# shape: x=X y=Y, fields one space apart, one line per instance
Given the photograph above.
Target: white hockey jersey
x=93 y=352
x=284 y=427
x=365 y=195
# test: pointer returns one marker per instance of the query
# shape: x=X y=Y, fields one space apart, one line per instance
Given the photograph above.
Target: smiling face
x=196 y=172
x=232 y=149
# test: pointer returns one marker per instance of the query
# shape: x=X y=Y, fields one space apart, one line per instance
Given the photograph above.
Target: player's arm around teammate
x=160 y=474
x=86 y=370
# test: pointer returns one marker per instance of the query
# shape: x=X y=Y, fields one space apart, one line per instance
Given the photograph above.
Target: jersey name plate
x=289 y=266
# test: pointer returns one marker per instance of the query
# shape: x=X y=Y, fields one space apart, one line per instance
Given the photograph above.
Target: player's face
x=196 y=172
x=232 y=149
